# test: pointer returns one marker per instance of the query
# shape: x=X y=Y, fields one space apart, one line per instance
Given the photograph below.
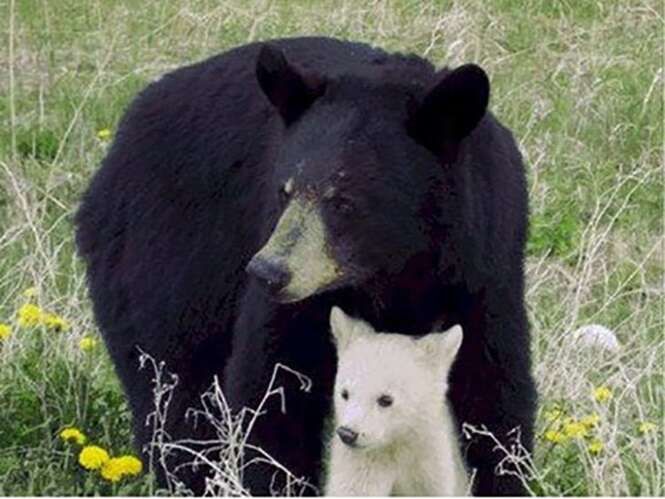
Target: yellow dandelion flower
x=112 y=470
x=73 y=435
x=104 y=134
x=131 y=464
x=93 y=457
x=602 y=394
x=590 y=420
x=53 y=321
x=5 y=331
x=29 y=315
x=87 y=344
x=553 y=414
x=595 y=447
x=575 y=429
x=119 y=467
x=30 y=293
x=554 y=436
x=647 y=427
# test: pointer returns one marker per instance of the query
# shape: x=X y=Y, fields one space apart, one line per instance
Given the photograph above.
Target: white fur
x=409 y=448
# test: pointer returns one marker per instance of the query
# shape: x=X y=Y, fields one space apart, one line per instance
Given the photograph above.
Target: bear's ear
x=450 y=110
x=287 y=88
x=441 y=349
x=344 y=328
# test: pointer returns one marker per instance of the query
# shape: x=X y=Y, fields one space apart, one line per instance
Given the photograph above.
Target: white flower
x=596 y=336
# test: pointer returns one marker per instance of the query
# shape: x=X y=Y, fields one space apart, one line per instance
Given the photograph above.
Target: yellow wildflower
x=5 y=331
x=554 y=414
x=595 y=447
x=73 y=435
x=119 y=467
x=104 y=134
x=29 y=315
x=53 y=321
x=647 y=427
x=93 y=457
x=131 y=464
x=86 y=344
x=602 y=394
x=591 y=420
x=30 y=293
x=554 y=436
x=575 y=429
x=112 y=470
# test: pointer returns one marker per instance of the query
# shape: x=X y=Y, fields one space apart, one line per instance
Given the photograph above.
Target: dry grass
x=225 y=460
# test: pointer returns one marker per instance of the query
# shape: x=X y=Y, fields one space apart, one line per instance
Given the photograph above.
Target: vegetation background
x=579 y=82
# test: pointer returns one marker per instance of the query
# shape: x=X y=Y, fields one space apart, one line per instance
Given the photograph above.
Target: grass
x=580 y=84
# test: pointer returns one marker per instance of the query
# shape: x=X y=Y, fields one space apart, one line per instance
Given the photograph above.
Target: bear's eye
x=343 y=205
x=345 y=394
x=286 y=191
x=385 y=400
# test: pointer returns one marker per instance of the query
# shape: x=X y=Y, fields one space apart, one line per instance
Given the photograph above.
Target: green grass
x=580 y=84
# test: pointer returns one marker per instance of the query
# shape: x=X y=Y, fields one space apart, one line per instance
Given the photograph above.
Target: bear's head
x=388 y=386
x=360 y=169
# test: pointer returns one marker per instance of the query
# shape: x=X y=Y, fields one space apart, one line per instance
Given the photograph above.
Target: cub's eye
x=345 y=394
x=385 y=401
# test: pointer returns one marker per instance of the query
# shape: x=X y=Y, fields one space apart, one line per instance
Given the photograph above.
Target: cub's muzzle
x=347 y=435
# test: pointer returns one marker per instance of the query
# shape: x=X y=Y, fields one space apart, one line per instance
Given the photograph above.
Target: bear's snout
x=271 y=272
x=347 y=435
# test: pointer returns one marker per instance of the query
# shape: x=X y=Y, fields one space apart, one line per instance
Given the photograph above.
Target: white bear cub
x=394 y=434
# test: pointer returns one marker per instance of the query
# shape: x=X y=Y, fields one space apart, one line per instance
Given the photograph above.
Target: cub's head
x=387 y=385
x=359 y=167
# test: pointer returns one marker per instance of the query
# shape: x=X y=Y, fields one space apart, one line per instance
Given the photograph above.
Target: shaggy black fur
x=428 y=221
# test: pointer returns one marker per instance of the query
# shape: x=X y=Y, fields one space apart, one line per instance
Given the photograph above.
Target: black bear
x=246 y=195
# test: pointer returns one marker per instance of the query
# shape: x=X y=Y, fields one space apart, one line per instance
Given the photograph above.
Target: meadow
x=579 y=83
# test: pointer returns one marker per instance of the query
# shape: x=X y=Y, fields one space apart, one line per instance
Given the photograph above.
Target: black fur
x=428 y=219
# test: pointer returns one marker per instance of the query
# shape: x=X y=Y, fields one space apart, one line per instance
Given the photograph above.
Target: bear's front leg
x=491 y=387
x=290 y=426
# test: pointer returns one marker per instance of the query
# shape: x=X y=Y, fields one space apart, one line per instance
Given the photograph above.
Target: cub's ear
x=450 y=110
x=344 y=328
x=441 y=348
x=451 y=343
x=287 y=88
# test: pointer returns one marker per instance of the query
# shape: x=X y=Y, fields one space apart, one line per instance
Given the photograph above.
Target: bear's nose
x=274 y=274
x=347 y=435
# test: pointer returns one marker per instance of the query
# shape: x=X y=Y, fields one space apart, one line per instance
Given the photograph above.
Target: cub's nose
x=272 y=273
x=347 y=435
